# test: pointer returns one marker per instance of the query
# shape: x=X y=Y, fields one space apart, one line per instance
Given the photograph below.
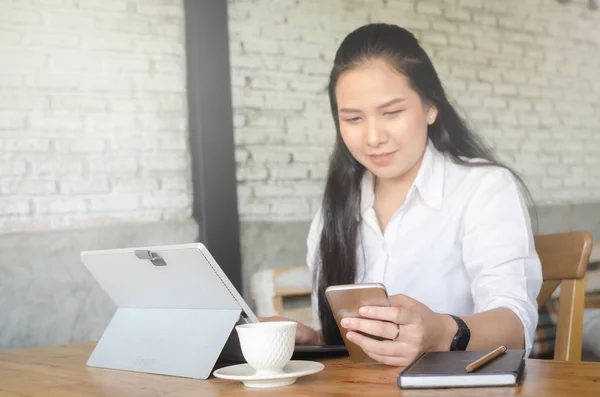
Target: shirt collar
x=429 y=181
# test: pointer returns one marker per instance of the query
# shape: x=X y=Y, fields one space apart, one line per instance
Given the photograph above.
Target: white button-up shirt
x=461 y=243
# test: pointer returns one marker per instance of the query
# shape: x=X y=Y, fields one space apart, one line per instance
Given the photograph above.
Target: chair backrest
x=564 y=258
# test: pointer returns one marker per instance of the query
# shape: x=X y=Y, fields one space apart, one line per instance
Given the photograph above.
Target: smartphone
x=346 y=300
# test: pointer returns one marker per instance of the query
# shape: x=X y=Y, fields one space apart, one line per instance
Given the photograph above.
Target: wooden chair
x=592 y=295
x=270 y=287
x=564 y=258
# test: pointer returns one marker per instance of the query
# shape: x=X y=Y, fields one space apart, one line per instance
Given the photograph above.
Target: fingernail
x=350 y=335
x=363 y=311
x=345 y=322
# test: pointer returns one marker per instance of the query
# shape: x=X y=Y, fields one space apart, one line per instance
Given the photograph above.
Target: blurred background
x=96 y=125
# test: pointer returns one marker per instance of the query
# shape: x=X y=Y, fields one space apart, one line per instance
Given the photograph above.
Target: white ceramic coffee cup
x=267 y=346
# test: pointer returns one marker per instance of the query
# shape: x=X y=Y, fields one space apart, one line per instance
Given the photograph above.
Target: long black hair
x=341 y=201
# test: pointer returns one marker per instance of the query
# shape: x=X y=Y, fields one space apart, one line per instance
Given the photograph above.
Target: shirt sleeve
x=499 y=252
x=312 y=261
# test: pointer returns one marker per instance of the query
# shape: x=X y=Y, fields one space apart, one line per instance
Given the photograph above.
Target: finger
x=398 y=315
x=383 y=329
x=401 y=300
x=395 y=361
x=306 y=335
x=412 y=335
x=383 y=348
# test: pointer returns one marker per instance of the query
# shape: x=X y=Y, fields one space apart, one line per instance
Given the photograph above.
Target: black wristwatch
x=462 y=336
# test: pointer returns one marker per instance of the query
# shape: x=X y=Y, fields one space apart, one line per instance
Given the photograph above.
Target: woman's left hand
x=409 y=327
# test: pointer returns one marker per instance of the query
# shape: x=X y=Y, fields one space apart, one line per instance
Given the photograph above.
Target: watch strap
x=460 y=341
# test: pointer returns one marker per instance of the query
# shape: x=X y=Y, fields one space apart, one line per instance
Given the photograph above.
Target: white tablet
x=176 y=310
x=182 y=276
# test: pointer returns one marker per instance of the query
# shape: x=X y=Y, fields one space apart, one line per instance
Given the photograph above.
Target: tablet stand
x=178 y=342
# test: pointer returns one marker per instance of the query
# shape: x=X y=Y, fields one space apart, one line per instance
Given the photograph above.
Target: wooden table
x=61 y=371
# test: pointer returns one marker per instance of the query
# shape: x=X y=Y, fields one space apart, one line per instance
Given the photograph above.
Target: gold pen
x=486 y=359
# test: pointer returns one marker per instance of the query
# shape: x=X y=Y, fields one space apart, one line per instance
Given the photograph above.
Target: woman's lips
x=382 y=159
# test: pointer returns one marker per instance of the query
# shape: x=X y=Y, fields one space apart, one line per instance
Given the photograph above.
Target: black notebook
x=447 y=369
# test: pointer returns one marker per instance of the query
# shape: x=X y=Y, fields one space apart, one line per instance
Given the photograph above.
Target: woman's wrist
x=319 y=340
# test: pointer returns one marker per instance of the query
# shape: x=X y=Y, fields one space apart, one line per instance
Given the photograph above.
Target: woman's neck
x=390 y=194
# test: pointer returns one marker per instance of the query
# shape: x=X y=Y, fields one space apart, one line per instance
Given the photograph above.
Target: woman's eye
x=392 y=113
x=353 y=120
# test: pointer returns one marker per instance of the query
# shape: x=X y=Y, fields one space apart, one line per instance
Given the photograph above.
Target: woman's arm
x=489 y=330
x=500 y=258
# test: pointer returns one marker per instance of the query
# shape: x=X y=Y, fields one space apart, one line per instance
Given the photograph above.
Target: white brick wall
x=90 y=91
x=525 y=72
x=92 y=113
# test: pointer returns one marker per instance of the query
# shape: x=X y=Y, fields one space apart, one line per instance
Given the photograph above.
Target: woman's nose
x=375 y=134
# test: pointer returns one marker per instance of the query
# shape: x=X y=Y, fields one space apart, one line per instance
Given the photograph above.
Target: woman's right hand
x=304 y=335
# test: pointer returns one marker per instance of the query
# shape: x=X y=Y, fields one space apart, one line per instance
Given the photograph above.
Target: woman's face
x=383 y=120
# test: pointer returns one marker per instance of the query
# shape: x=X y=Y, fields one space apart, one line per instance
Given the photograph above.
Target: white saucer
x=292 y=371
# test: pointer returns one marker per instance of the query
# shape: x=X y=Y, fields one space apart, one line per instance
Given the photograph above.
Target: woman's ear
x=431 y=114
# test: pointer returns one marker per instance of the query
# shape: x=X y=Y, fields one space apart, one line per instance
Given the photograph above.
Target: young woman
x=415 y=201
